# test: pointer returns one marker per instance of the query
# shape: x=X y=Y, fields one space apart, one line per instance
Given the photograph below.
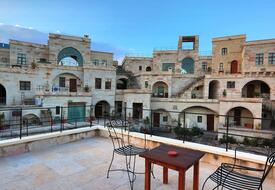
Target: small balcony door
x=72 y=85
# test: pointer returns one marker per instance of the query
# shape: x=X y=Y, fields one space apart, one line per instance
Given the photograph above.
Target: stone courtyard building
x=181 y=85
x=63 y=73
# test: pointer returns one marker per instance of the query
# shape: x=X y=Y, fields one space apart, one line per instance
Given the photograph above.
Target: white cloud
x=17 y=25
x=58 y=31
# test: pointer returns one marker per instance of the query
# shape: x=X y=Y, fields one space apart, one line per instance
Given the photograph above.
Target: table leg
x=196 y=176
x=181 y=182
x=165 y=175
x=147 y=184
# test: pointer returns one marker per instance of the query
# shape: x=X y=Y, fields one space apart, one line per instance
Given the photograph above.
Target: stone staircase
x=132 y=80
x=188 y=88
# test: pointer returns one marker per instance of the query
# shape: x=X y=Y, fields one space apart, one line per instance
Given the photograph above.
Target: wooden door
x=234 y=67
x=250 y=90
x=237 y=116
x=72 y=85
x=137 y=110
x=156 y=117
x=210 y=122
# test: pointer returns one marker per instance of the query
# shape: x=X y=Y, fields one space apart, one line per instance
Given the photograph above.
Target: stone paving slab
x=82 y=165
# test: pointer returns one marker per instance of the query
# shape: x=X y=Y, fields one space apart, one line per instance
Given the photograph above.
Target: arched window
x=188 y=66
x=70 y=57
x=148 y=68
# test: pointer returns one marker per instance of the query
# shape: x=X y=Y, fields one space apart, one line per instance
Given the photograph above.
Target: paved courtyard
x=82 y=165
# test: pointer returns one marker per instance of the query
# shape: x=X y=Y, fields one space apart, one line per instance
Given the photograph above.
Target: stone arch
x=240 y=116
x=199 y=116
x=188 y=65
x=160 y=89
x=256 y=88
x=3 y=95
x=213 y=89
x=31 y=119
x=148 y=69
x=71 y=83
x=122 y=83
x=161 y=117
x=102 y=108
x=70 y=56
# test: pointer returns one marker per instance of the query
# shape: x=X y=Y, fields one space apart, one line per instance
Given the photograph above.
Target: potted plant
x=2 y=118
x=224 y=93
x=257 y=94
x=86 y=88
x=33 y=65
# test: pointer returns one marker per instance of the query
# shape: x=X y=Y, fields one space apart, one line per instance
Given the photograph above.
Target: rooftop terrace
x=83 y=165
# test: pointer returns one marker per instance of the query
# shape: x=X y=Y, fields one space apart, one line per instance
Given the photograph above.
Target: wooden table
x=185 y=159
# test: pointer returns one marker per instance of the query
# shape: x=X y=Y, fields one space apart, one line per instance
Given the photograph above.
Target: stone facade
x=228 y=83
x=61 y=72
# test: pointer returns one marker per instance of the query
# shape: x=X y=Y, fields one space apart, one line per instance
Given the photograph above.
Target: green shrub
x=181 y=131
x=231 y=140
x=196 y=131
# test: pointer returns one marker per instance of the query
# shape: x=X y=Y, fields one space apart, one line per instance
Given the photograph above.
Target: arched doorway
x=256 y=88
x=148 y=69
x=31 y=119
x=240 y=117
x=160 y=89
x=213 y=92
x=70 y=56
x=188 y=66
x=3 y=95
x=102 y=108
x=198 y=116
x=121 y=84
x=234 y=67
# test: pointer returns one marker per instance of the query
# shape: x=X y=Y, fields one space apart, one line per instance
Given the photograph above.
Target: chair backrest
x=268 y=165
x=117 y=138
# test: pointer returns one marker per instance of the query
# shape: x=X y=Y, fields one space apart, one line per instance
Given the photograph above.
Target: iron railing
x=201 y=127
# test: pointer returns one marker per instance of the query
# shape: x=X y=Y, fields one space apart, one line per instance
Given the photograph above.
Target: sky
x=136 y=26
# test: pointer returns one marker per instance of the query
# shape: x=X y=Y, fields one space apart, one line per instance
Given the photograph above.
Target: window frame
x=25 y=85
x=199 y=119
x=98 y=83
x=271 y=58
x=21 y=59
x=259 y=58
x=231 y=84
x=221 y=68
x=224 y=51
x=204 y=66
x=62 y=81
x=108 y=83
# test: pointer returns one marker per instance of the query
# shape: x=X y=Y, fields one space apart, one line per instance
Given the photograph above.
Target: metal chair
x=119 y=134
x=232 y=176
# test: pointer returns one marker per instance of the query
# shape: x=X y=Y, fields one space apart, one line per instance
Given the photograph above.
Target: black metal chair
x=236 y=177
x=119 y=133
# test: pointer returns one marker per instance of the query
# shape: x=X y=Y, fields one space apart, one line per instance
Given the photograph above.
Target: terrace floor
x=83 y=165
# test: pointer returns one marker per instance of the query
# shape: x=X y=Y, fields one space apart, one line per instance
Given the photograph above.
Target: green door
x=76 y=112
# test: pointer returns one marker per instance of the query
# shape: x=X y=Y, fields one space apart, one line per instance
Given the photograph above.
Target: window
x=165 y=118
x=271 y=58
x=259 y=59
x=21 y=59
x=148 y=68
x=4 y=59
x=42 y=60
x=230 y=84
x=95 y=61
x=221 y=67
x=108 y=84
x=168 y=66
x=199 y=119
x=140 y=68
x=204 y=66
x=98 y=83
x=104 y=62
x=62 y=81
x=224 y=51
x=146 y=84
x=25 y=85
x=57 y=110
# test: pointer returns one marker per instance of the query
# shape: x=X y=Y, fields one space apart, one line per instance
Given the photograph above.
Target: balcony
x=82 y=164
x=63 y=91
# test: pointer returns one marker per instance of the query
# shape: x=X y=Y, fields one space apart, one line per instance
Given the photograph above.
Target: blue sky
x=128 y=26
